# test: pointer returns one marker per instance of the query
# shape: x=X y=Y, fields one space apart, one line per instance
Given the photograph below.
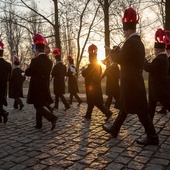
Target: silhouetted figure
x=92 y=75
x=16 y=84
x=158 y=76
x=5 y=73
x=59 y=73
x=39 y=70
x=132 y=88
x=72 y=81
x=112 y=75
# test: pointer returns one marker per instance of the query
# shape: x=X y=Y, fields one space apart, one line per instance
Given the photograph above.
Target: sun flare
x=101 y=54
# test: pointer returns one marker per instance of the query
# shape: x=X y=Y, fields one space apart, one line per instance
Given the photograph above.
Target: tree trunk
x=56 y=26
x=106 y=25
x=167 y=15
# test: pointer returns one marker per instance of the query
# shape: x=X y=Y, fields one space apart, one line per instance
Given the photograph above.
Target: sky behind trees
x=69 y=11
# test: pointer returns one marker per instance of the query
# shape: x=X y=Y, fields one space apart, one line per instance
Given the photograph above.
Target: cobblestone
x=78 y=144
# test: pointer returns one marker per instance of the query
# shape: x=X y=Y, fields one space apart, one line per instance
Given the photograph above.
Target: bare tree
x=12 y=31
x=105 y=4
x=167 y=14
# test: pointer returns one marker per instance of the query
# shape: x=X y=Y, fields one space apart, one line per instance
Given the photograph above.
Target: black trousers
x=100 y=106
x=165 y=102
x=42 y=112
x=109 y=101
x=76 y=96
x=61 y=96
x=17 y=101
x=144 y=118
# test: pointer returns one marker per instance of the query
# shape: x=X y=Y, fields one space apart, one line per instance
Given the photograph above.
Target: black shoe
x=80 y=102
x=38 y=127
x=51 y=110
x=53 y=122
x=0 y=119
x=21 y=106
x=67 y=108
x=108 y=116
x=5 y=116
x=105 y=128
x=148 y=141
x=55 y=107
x=87 y=117
x=162 y=111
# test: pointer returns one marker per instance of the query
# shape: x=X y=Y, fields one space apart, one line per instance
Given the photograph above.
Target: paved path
x=77 y=144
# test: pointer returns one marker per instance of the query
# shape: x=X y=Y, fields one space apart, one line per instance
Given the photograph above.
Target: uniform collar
x=132 y=35
x=164 y=52
x=40 y=53
x=59 y=62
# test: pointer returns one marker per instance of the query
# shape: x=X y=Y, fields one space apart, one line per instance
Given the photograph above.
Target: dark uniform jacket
x=72 y=81
x=169 y=69
x=132 y=88
x=59 y=73
x=92 y=75
x=5 y=73
x=158 y=77
x=16 y=83
x=112 y=82
x=39 y=70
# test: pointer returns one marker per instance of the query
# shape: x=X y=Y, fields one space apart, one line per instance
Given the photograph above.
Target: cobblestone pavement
x=77 y=144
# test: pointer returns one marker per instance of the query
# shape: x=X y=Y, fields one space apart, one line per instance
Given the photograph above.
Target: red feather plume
x=160 y=35
x=70 y=58
x=56 y=52
x=39 y=39
x=1 y=45
x=16 y=59
x=130 y=15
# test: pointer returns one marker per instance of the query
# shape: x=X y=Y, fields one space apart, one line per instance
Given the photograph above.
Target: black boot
x=148 y=141
x=21 y=106
x=163 y=110
x=5 y=116
x=80 y=102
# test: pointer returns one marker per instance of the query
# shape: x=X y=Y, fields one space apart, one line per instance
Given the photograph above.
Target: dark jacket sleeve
x=31 y=68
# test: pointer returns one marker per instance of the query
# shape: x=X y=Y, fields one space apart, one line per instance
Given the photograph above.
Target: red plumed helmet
x=92 y=49
x=1 y=44
x=39 y=39
x=70 y=58
x=160 y=35
x=16 y=59
x=56 y=52
x=130 y=15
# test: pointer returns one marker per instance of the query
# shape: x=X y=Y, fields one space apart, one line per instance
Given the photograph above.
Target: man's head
x=47 y=50
x=128 y=32
x=158 y=50
x=92 y=49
